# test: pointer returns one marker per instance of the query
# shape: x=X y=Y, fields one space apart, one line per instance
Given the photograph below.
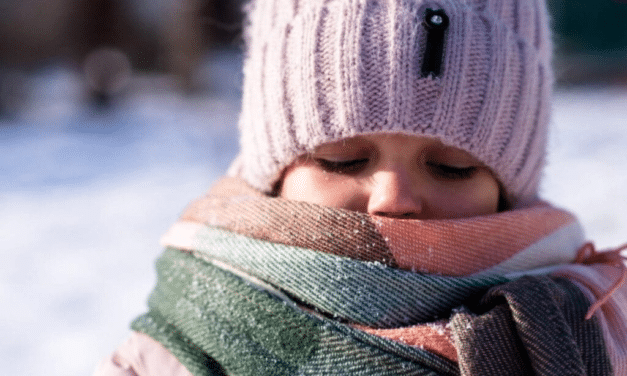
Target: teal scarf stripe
x=215 y=316
x=367 y=293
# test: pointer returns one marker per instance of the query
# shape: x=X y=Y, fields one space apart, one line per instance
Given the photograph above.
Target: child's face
x=393 y=175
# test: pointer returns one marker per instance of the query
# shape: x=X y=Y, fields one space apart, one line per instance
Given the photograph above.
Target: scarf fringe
x=588 y=255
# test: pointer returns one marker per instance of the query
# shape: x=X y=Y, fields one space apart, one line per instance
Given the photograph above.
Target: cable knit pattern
x=320 y=70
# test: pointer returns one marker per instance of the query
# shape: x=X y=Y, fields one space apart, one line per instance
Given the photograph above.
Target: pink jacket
x=141 y=355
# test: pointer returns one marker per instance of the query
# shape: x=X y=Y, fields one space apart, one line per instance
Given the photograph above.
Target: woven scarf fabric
x=251 y=285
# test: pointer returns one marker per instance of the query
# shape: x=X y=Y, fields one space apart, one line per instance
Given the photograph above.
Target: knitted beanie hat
x=474 y=74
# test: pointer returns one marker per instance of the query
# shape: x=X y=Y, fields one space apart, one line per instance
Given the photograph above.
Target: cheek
x=486 y=200
x=480 y=196
x=310 y=184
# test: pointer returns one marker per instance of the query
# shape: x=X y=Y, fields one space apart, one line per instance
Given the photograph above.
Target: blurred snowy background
x=98 y=156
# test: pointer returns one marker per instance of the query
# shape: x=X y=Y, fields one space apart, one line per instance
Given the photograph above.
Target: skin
x=393 y=175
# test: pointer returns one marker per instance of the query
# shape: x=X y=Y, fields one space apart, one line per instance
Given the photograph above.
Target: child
x=382 y=217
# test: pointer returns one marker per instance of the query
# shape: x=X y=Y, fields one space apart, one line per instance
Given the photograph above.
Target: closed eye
x=450 y=172
x=353 y=166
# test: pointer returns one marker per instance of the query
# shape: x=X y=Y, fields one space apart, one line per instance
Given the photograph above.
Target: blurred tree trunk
x=183 y=41
x=32 y=30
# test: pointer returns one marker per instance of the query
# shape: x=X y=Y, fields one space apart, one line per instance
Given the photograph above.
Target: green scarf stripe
x=250 y=332
x=367 y=293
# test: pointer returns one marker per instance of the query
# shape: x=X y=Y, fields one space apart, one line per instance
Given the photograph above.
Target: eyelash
x=342 y=167
x=450 y=172
x=356 y=165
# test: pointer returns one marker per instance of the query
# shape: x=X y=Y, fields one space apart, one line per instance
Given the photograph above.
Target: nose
x=394 y=195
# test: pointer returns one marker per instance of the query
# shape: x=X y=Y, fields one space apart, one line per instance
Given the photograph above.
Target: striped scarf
x=253 y=285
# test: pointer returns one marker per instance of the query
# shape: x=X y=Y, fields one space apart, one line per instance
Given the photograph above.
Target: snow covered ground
x=85 y=196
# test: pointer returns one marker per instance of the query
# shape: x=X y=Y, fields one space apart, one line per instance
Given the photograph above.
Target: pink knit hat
x=474 y=74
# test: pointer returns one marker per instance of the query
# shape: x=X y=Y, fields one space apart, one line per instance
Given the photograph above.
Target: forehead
x=381 y=139
x=393 y=143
